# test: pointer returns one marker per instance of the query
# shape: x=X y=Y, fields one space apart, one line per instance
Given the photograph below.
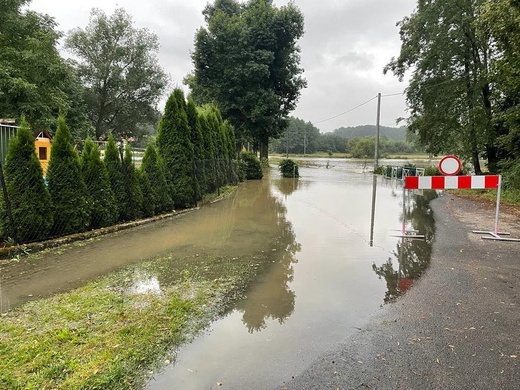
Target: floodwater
x=345 y=262
x=326 y=247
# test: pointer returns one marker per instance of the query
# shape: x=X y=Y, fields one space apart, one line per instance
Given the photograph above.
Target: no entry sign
x=449 y=165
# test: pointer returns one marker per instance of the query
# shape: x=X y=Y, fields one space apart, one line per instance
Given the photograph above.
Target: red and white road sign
x=450 y=165
x=451 y=182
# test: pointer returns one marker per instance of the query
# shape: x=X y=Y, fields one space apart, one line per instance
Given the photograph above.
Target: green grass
x=103 y=336
x=507 y=197
x=413 y=156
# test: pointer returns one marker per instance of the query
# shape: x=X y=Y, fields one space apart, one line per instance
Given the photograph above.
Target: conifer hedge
x=101 y=199
x=115 y=176
x=28 y=202
x=66 y=187
x=195 y=155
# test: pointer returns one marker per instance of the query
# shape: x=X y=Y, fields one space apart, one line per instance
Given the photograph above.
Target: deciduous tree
x=35 y=81
x=450 y=93
x=246 y=60
x=118 y=66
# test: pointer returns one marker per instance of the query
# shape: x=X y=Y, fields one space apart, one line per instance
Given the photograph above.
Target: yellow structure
x=42 y=145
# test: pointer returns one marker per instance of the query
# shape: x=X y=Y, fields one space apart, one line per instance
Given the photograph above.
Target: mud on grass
x=106 y=335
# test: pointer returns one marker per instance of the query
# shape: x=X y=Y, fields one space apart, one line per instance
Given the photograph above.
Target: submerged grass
x=108 y=336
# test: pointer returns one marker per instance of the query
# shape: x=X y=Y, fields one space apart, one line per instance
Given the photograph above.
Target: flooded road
x=324 y=248
x=344 y=264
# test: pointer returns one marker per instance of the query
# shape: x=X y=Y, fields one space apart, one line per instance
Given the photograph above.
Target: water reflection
x=413 y=256
x=248 y=230
x=373 y=209
x=270 y=296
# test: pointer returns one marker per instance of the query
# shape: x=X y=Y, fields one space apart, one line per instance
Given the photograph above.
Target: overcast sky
x=345 y=47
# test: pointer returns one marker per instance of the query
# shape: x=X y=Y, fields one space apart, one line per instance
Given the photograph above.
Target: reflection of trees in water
x=413 y=256
x=270 y=296
x=287 y=186
x=247 y=229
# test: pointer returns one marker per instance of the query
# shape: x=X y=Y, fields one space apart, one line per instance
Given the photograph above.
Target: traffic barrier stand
x=462 y=182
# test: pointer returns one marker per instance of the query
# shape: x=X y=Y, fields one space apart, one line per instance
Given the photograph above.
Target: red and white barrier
x=451 y=182
x=459 y=182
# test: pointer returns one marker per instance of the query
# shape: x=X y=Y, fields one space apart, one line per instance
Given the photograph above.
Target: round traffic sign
x=450 y=165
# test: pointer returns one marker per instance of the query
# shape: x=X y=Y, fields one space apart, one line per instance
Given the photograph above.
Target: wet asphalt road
x=457 y=328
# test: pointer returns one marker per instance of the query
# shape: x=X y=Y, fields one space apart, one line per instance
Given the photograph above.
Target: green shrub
x=115 y=175
x=251 y=166
x=288 y=168
x=66 y=186
x=153 y=167
x=133 y=202
x=432 y=171
x=29 y=199
x=176 y=150
x=101 y=199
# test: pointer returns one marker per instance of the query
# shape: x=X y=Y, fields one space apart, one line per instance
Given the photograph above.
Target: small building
x=42 y=145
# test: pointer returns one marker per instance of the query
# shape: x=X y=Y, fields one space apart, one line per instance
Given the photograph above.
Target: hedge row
x=195 y=155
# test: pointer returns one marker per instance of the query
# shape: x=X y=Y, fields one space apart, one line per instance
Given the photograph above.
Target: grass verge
x=108 y=335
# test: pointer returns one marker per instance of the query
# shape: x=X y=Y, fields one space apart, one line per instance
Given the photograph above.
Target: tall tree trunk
x=471 y=123
x=264 y=150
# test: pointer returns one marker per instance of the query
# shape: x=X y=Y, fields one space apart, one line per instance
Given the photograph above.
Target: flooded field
x=324 y=247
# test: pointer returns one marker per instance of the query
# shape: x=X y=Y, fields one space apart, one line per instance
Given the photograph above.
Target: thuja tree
x=198 y=147
x=66 y=186
x=101 y=198
x=115 y=176
x=210 y=183
x=28 y=200
x=215 y=140
x=175 y=148
x=131 y=207
x=153 y=167
x=149 y=200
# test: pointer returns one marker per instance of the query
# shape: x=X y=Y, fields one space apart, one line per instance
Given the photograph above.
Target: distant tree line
x=302 y=137
x=195 y=155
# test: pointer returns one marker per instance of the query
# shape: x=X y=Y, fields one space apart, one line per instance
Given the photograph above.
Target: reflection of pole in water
x=373 y=213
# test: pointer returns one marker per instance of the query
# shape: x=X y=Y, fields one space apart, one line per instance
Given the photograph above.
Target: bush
x=251 y=166
x=101 y=198
x=66 y=186
x=511 y=180
x=30 y=202
x=115 y=175
x=153 y=167
x=133 y=203
x=288 y=168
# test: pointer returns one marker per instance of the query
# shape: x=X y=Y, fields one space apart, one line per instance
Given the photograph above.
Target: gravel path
x=457 y=328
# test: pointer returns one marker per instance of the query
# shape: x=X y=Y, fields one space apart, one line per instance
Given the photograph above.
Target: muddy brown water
x=329 y=262
x=345 y=264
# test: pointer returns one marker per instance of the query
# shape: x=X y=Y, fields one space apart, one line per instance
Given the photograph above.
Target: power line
x=393 y=94
x=346 y=112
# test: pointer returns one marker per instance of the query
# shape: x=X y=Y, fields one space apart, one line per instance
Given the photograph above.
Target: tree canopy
x=246 y=61
x=35 y=81
x=449 y=95
x=118 y=66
